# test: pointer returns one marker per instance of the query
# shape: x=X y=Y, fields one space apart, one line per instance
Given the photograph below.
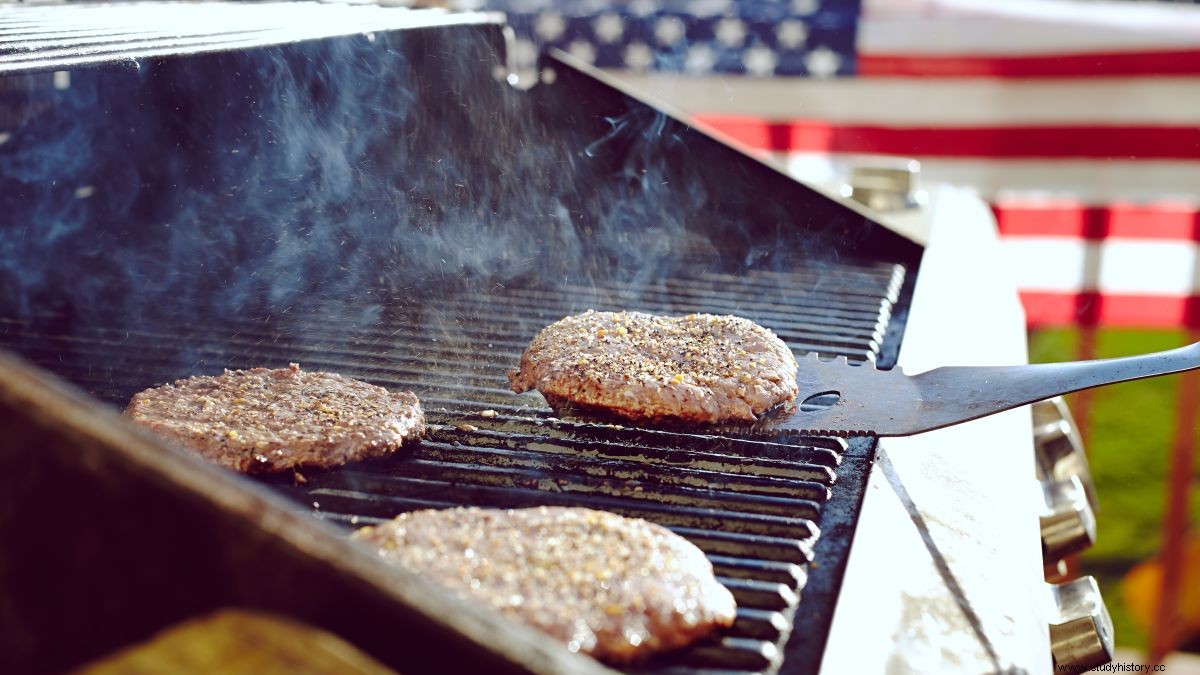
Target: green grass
x=1132 y=428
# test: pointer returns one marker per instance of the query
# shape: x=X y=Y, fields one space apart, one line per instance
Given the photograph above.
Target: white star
x=524 y=53
x=704 y=8
x=639 y=56
x=549 y=26
x=791 y=34
x=822 y=62
x=805 y=7
x=730 y=32
x=583 y=50
x=669 y=30
x=700 y=59
x=760 y=61
x=528 y=6
x=609 y=27
x=643 y=7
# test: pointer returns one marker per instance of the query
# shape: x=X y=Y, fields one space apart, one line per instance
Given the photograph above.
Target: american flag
x=1079 y=121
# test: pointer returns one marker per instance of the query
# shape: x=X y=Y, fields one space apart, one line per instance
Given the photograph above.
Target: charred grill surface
x=763 y=511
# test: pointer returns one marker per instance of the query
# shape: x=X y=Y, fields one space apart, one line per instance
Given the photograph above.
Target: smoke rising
x=355 y=183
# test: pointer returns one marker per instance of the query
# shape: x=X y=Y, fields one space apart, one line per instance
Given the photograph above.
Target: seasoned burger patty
x=616 y=588
x=262 y=420
x=695 y=368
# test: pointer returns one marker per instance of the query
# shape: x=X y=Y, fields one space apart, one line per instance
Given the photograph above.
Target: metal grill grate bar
x=436 y=454
x=629 y=460
x=770 y=513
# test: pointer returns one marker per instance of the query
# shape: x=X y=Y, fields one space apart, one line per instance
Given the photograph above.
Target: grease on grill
x=617 y=588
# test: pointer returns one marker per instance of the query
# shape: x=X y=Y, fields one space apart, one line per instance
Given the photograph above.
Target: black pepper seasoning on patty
x=699 y=368
x=264 y=421
x=619 y=589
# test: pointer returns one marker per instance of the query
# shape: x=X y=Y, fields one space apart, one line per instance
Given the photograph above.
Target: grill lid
x=54 y=36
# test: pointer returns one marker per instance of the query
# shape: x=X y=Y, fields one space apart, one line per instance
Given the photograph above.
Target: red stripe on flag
x=1173 y=221
x=1096 y=142
x=1110 y=309
x=1101 y=64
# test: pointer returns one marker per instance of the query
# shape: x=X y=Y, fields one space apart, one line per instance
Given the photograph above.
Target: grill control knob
x=886 y=184
x=1069 y=525
x=1081 y=633
x=1060 y=454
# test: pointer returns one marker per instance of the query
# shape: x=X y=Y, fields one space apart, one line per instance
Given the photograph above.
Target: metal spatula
x=873 y=402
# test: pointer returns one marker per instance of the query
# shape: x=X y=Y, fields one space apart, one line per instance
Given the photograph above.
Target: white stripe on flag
x=1117 y=266
x=923 y=102
x=1086 y=181
x=1046 y=263
x=1023 y=27
x=1147 y=267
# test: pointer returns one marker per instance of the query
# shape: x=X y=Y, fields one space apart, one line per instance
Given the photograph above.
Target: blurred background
x=1077 y=121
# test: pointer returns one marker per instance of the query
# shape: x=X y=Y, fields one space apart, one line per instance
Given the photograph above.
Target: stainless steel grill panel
x=755 y=507
x=65 y=36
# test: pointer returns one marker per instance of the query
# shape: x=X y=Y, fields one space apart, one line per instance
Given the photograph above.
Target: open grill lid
x=52 y=36
x=385 y=206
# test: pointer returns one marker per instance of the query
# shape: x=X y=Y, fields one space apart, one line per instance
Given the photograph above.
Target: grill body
x=382 y=204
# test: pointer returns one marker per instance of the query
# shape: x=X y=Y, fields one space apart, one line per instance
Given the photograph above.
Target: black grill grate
x=755 y=507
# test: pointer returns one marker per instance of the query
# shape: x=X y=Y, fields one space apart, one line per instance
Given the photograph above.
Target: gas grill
x=360 y=190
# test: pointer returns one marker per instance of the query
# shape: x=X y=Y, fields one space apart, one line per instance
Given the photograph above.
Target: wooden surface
x=239 y=642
